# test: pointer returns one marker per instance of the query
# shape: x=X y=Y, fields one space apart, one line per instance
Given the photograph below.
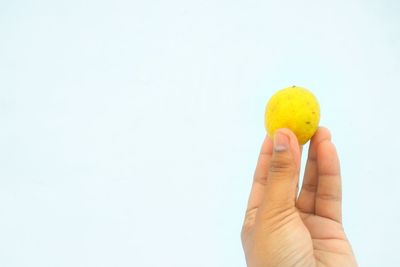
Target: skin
x=281 y=229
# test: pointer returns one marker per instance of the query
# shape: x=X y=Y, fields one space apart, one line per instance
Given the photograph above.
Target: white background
x=129 y=130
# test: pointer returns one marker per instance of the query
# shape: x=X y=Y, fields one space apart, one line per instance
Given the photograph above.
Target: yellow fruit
x=295 y=108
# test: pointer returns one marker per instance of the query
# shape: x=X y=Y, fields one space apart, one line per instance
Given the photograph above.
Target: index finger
x=260 y=175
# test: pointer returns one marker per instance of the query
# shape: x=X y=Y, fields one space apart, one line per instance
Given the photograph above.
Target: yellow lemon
x=295 y=108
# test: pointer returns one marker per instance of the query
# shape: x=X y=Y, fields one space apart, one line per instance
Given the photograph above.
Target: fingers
x=280 y=187
x=260 y=175
x=306 y=200
x=328 y=198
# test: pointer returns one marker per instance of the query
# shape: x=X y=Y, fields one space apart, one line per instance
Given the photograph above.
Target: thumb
x=281 y=184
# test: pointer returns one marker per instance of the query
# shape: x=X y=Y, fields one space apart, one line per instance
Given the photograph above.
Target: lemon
x=295 y=108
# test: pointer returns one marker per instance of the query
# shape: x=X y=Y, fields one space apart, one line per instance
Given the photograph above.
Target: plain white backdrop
x=129 y=130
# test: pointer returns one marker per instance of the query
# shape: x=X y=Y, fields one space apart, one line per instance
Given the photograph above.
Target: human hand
x=281 y=229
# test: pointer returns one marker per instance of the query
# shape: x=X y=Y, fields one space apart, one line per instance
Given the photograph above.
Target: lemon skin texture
x=295 y=108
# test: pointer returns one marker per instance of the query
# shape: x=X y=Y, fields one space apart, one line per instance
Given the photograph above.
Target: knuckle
x=309 y=187
x=261 y=179
x=281 y=164
x=329 y=196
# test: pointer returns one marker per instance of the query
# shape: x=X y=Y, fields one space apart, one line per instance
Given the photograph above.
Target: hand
x=281 y=229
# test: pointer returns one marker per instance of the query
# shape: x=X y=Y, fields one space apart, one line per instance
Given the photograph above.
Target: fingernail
x=281 y=142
